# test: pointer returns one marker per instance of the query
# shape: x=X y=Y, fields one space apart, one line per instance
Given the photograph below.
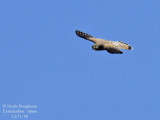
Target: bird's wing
x=122 y=45
x=86 y=36
x=113 y=49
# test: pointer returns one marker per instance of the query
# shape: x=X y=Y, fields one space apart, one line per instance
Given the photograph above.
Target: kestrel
x=112 y=47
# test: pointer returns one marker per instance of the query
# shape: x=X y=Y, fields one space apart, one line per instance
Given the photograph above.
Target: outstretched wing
x=111 y=48
x=86 y=36
x=122 y=45
x=114 y=51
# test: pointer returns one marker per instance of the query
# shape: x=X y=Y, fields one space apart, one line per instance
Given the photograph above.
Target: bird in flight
x=112 y=47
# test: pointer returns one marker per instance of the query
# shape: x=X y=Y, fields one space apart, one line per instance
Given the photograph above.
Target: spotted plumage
x=112 y=47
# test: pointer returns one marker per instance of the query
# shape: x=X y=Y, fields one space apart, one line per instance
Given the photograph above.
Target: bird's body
x=112 y=47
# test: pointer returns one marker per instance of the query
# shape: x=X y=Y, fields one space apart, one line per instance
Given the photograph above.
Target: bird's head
x=98 y=47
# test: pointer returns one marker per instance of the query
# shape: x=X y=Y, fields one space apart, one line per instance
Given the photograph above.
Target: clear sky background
x=43 y=62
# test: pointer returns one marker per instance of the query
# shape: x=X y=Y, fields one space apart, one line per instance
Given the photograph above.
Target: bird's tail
x=123 y=45
x=83 y=35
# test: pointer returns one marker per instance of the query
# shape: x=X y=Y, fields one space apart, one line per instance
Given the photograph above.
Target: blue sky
x=44 y=63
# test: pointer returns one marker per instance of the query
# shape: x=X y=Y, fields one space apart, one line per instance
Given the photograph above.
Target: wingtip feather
x=82 y=34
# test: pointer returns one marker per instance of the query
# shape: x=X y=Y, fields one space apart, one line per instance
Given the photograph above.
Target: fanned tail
x=123 y=45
